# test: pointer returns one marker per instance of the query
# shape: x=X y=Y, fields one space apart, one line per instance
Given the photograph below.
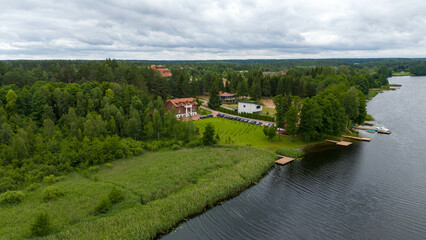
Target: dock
x=340 y=143
x=357 y=138
x=283 y=160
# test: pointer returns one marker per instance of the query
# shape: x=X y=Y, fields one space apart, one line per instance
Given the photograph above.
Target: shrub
x=11 y=197
x=115 y=195
x=33 y=187
x=109 y=165
x=195 y=143
x=368 y=117
x=93 y=169
x=51 y=179
x=176 y=147
x=41 y=225
x=103 y=206
x=290 y=152
x=208 y=135
x=52 y=193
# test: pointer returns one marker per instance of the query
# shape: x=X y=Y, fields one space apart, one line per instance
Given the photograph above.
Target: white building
x=248 y=107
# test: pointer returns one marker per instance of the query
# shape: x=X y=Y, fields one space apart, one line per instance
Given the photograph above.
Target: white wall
x=249 y=107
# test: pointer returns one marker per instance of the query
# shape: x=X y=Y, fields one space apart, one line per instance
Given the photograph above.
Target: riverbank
x=160 y=190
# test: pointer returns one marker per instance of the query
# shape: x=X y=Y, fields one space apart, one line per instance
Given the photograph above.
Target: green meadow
x=245 y=134
x=160 y=190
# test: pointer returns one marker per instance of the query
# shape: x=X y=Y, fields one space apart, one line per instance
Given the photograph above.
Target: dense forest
x=60 y=116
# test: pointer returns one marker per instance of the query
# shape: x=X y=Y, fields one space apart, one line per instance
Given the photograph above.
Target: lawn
x=160 y=190
x=245 y=134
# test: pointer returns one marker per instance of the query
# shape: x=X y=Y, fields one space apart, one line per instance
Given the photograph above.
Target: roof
x=225 y=94
x=251 y=103
x=176 y=101
x=164 y=72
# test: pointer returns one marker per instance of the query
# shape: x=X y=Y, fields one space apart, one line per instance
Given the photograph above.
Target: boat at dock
x=383 y=130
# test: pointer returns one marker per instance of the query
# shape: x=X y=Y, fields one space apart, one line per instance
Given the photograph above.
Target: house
x=249 y=107
x=227 y=97
x=184 y=107
x=164 y=72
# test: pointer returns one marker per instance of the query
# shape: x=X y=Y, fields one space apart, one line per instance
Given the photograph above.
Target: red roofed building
x=185 y=107
x=227 y=97
x=164 y=72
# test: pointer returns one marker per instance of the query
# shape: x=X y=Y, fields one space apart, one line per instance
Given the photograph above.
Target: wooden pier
x=340 y=143
x=283 y=160
x=357 y=138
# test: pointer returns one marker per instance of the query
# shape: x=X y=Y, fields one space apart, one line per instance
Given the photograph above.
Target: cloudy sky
x=222 y=29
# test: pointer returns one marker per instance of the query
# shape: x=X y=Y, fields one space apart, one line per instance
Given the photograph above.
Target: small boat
x=370 y=130
x=383 y=130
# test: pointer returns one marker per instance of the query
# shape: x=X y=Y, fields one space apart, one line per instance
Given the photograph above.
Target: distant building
x=227 y=97
x=164 y=72
x=273 y=73
x=248 y=107
x=185 y=107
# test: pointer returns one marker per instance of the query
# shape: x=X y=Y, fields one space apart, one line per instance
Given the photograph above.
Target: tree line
x=51 y=128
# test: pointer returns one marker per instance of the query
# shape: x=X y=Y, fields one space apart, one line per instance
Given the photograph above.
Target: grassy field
x=244 y=134
x=160 y=189
x=268 y=110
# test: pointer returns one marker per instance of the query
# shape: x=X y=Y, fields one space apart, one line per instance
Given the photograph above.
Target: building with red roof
x=164 y=72
x=184 y=107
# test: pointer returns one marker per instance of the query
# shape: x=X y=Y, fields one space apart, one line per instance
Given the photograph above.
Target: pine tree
x=157 y=123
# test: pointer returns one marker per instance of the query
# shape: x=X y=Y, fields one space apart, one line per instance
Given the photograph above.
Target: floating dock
x=340 y=143
x=283 y=160
x=357 y=138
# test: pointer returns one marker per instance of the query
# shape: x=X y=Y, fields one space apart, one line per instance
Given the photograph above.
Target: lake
x=370 y=190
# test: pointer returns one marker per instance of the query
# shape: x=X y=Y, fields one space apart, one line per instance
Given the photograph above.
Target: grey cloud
x=190 y=29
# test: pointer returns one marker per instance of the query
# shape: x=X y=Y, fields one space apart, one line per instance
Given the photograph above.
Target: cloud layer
x=222 y=29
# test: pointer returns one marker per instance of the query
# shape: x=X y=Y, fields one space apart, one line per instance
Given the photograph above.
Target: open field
x=245 y=134
x=160 y=190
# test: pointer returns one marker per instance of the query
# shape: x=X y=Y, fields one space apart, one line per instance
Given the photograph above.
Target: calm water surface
x=374 y=190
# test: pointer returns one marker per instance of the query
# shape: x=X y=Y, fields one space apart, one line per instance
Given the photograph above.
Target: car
x=210 y=115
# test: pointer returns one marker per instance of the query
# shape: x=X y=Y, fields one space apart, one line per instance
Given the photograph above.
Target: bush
x=290 y=152
x=115 y=195
x=195 y=143
x=52 y=193
x=11 y=197
x=109 y=165
x=41 y=225
x=208 y=135
x=51 y=179
x=103 y=206
x=176 y=147
x=93 y=169
x=368 y=117
x=32 y=187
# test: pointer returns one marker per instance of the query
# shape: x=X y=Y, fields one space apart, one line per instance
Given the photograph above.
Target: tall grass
x=159 y=190
x=290 y=152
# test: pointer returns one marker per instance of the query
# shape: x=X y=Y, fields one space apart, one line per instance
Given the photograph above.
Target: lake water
x=370 y=190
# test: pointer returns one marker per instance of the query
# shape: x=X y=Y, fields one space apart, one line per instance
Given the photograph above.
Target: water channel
x=370 y=190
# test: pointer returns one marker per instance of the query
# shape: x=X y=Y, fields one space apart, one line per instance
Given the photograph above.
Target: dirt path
x=268 y=102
